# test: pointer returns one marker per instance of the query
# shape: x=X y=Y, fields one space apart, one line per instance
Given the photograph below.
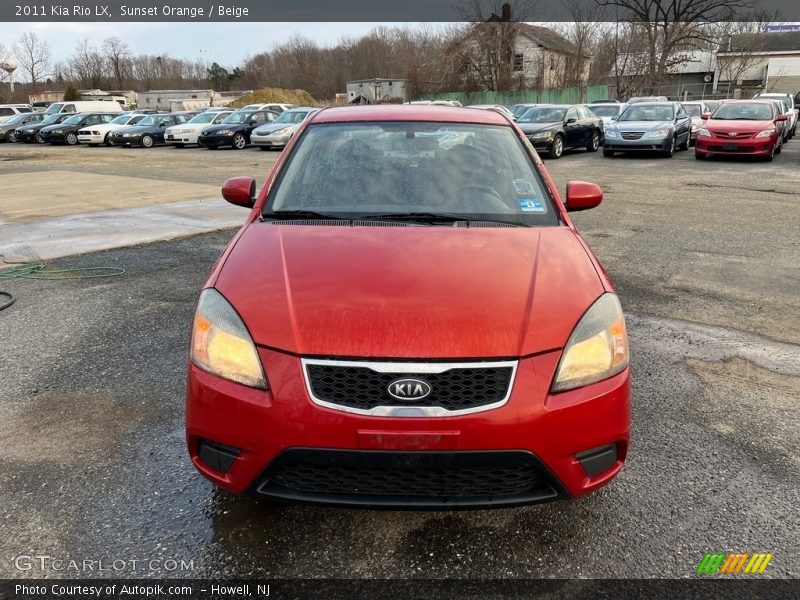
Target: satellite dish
x=708 y=78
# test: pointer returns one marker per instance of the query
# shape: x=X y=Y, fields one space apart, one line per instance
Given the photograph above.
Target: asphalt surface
x=705 y=258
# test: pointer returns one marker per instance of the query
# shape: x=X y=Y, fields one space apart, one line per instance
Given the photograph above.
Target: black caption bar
x=391 y=589
x=363 y=10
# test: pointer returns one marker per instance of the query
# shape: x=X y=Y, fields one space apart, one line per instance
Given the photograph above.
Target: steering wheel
x=489 y=201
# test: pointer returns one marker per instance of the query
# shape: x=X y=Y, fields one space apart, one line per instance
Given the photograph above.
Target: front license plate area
x=730 y=146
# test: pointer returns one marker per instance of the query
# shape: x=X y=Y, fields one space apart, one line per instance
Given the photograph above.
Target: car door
x=573 y=130
x=588 y=124
x=683 y=124
x=163 y=122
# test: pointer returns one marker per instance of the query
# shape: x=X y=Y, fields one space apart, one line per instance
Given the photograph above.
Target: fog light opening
x=217 y=456
x=597 y=460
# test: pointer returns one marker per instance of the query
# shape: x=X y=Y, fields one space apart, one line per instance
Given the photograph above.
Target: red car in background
x=742 y=127
x=409 y=319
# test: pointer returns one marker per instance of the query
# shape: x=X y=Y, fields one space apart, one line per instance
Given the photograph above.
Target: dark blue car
x=235 y=130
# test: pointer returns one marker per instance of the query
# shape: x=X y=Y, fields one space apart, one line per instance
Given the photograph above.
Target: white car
x=277 y=107
x=495 y=107
x=9 y=110
x=607 y=110
x=278 y=133
x=789 y=110
x=189 y=132
x=98 y=134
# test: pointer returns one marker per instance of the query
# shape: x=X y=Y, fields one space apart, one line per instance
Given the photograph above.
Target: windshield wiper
x=300 y=214
x=428 y=217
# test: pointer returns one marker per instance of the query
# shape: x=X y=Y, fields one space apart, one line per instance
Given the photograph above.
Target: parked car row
x=266 y=128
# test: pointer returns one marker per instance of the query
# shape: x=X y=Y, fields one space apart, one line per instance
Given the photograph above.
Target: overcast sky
x=225 y=43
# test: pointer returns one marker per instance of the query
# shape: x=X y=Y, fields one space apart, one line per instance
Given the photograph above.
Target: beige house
x=754 y=63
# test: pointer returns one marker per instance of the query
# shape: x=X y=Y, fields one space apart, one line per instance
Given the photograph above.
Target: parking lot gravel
x=705 y=258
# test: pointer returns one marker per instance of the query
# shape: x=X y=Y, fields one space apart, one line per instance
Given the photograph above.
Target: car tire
x=608 y=153
x=239 y=142
x=671 y=152
x=71 y=139
x=40 y=138
x=106 y=141
x=556 y=148
x=11 y=137
x=147 y=141
x=700 y=155
x=594 y=143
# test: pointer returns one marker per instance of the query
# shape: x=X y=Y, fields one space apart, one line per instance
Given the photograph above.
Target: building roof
x=767 y=42
x=409 y=112
x=547 y=38
x=376 y=80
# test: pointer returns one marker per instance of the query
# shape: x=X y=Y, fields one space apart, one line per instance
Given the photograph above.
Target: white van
x=84 y=106
x=9 y=110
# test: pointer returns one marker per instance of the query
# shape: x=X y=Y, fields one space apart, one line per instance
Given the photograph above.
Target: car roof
x=409 y=112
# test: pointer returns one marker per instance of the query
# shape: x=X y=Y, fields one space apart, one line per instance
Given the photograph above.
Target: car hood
x=137 y=129
x=409 y=292
x=189 y=127
x=105 y=127
x=737 y=126
x=529 y=128
x=272 y=127
x=62 y=126
x=212 y=129
x=640 y=125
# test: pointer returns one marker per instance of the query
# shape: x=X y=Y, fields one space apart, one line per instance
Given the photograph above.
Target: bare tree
x=672 y=28
x=584 y=32
x=33 y=56
x=88 y=64
x=118 y=56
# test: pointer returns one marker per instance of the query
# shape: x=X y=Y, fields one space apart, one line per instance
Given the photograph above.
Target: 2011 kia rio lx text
x=409 y=319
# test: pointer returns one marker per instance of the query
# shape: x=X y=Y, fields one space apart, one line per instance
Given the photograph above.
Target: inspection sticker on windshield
x=531 y=205
x=523 y=187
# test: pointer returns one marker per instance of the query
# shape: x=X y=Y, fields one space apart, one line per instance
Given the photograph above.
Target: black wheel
x=147 y=141
x=608 y=153
x=685 y=145
x=71 y=139
x=106 y=141
x=239 y=142
x=594 y=143
x=556 y=148
x=40 y=138
x=671 y=152
x=11 y=137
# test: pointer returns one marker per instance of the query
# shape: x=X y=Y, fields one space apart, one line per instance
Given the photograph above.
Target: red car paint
x=735 y=137
x=435 y=293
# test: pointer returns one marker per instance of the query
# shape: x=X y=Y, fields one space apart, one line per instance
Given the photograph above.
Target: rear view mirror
x=705 y=116
x=571 y=120
x=582 y=195
x=782 y=118
x=240 y=191
x=615 y=117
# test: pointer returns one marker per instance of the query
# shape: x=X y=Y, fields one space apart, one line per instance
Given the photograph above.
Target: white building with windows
x=370 y=91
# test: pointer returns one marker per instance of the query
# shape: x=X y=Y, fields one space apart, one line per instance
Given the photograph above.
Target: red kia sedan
x=409 y=319
x=742 y=127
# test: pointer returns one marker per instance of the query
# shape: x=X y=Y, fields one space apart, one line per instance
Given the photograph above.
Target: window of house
x=518 y=62
x=552 y=63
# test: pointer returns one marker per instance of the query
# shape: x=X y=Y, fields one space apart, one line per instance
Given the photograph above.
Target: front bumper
x=270 y=141
x=643 y=144
x=181 y=138
x=550 y=439
x=749 y=147
x=215 y=140
x=27 y=136
x=125 y=141
x=55 y=138
x=91 y=138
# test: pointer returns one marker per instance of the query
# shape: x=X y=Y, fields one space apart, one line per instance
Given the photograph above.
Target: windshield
x=74 y=120
x=291 y=116
x=127 y=119
x=147 y=121
x=693 y=110
x=51 y=120
x=543 y=114
x=55 y=108
x=238 y=117
x=204 y=118
x=604 y=111
x=743 y=112
x=15 y=119
x=480 y=172
x=647 y=112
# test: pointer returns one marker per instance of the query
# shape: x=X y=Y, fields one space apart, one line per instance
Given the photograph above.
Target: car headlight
x=224 y=132
x=765 y=133
x=545 y=135
x=694 y=127
x=703 y=132
x=659 y=133
x=597 y=348
x=611 y=133
x=221 y=343
x=57 y=131
x=277 y=131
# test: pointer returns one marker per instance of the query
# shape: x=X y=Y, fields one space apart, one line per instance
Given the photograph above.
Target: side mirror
x=253 y=122
x=240 y=191
x=571 y=121
x=162 y=124
x=582 y=195
x=782 y=118
x=705 y=116
x=615 y=117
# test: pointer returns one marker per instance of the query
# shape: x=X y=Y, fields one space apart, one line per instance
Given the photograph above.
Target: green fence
x=560 y=96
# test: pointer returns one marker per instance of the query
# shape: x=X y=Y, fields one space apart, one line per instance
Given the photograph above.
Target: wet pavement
x=94 y=465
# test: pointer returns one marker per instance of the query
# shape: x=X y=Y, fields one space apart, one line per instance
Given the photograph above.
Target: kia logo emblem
x=732 y=134
x=409 y=389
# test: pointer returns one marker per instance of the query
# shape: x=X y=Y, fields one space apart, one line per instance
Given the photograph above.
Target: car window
x=693 y=110
x=181 y=118
x=107 y=118
x=238 y=118
x=399 y=168
x=572 y=114
x=292 y=116
x=6 y=111
x=605 y=111
x=749 y=111
x=647 y=112
x=543 y=114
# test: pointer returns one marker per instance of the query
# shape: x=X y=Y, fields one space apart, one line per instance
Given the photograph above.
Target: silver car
x=607 y=110
x=696 y=110
x=278 y=133
x=649 y=126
